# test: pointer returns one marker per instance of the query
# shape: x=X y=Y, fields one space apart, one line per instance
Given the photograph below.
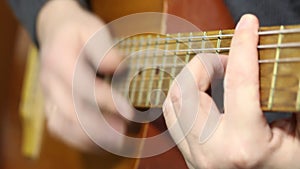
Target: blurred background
x=14 y=45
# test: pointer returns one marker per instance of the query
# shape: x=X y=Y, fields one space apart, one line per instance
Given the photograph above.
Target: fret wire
x=188 y=55
x=127 y=50
x=108 y=79
x=127 y=83
x=142 y=83
x=166 y=89
x=261 y=61
x=275 y=70
x=209 y=37
x=265 y=46
x=132 y=91
x=203 y=42
x=185 y=52
x=174 y=61
x=132 y=71
x=226 y=49
x=154 y=61
x=122 y=44
x=161 y=75
x=219 y=42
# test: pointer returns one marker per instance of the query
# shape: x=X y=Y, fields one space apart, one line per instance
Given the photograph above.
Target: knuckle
x=242 y=157
x=174 y=93
x=53 y=127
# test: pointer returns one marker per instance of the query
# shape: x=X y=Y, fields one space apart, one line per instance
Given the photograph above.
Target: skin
x=63 y=27
x=243 y=138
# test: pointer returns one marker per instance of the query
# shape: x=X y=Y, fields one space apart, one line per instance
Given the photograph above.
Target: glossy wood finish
x=205 y=14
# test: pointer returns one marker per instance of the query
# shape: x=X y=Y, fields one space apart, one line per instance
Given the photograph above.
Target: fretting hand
x=242 y=138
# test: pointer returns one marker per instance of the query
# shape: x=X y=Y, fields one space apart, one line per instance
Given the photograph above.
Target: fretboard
x=154 y=60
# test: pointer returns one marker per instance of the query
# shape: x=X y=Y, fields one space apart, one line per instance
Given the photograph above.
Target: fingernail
x=245 y=21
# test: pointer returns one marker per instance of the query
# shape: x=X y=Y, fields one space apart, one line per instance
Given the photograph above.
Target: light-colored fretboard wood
x=161 y=57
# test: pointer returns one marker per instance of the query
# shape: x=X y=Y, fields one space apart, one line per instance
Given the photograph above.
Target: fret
x=275 y=71
x=279 y=57
x=134 y=73
x=203 y=44
x=161 y=73
x=127 y=52
x=126 y=48
x=175 y=58
x=219 y=42
x=188 y=53
x=265 y=31
x=122 y=45
x=144 y=71
x=174 y=62
x=154 y=62
x=123 y=83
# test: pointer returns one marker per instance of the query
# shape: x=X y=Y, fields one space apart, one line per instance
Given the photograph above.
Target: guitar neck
x=154 y=61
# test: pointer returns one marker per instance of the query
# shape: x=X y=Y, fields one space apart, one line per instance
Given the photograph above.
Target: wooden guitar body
x=205 y=14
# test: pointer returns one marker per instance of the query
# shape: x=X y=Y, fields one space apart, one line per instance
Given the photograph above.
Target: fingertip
x=246 y=21
x=110 y=62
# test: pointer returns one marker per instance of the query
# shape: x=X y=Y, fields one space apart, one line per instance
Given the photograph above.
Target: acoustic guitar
x=111 y=10
x=279 y=63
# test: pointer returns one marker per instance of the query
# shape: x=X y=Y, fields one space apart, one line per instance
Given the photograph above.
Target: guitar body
x=206 y=15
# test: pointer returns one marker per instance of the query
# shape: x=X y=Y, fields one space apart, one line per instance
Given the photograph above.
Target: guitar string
x=170 y=37
x=156 y=66
x=222 y=49
x=180 y=66
x=167 y=89
x=267 y=46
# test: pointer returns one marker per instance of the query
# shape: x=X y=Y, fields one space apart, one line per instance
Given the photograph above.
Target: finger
x=111 y=101
x=62 y=120
x=68 y=131
x=205 y=67
x=59 y=96
x=175 y=129
x=101 y=53
x=185 y=96
x=241 y=79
